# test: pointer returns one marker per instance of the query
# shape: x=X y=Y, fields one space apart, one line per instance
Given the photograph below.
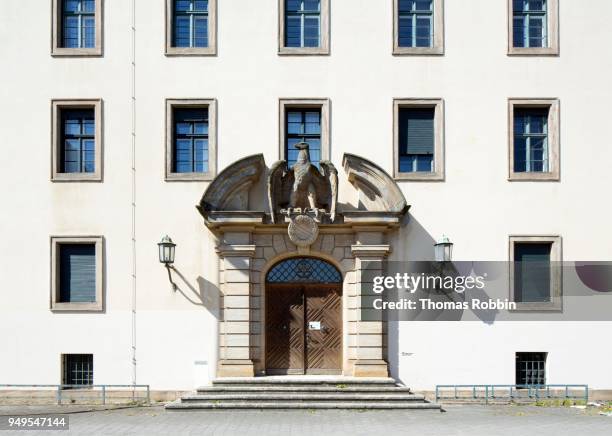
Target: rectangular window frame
x=323 y=104
x=211 y=50
x=55 y=304
x=323 y=48
x=556 y=279
x=438 y=173
x=554 y=172
x=57 y=105
x=437 y=47
x=552 y=29
x=57 y=48
x=211 y=105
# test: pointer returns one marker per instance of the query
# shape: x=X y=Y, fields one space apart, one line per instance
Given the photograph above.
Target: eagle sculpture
x=303 y=186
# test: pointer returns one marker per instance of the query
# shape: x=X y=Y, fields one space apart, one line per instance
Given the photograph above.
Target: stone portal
x=347 y=232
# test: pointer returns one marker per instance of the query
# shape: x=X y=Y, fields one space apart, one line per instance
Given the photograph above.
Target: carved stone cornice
x=234 y=218
x=364 y=217
x=236 y=250
x=370 y=250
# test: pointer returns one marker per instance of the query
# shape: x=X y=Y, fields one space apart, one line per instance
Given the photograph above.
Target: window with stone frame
x=77 y=27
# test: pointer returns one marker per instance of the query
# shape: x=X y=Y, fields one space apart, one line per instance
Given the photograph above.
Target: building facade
x=479 y=120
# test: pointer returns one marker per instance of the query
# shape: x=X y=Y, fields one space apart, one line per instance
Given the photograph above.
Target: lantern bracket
x=169 y=268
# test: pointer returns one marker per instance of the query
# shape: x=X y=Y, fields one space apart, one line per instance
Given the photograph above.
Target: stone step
x=304 y=381
x=369 y=405
x=312 y=397
x=299 y=389
x=302 y=392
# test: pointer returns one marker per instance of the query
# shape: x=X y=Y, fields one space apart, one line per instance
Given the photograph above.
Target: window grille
x=78 y=139
x=531 y=369
x=302 y=23
x=415 y=23
x=303 y=270
x=79 y=23
x=303 y=125
x=191 y=140
x=78 y=369
x=529 y=23
x=190 y=23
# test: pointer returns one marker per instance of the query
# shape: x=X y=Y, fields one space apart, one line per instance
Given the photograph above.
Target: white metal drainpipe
x=133 y=110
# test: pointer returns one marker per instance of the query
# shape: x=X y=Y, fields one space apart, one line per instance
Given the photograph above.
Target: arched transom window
x=303 y=270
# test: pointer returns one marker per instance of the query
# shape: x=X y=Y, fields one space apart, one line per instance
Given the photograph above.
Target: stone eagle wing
x=330 y=178
x=280 y=180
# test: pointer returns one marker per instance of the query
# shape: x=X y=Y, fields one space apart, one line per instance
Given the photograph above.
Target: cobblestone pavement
x=457 y=420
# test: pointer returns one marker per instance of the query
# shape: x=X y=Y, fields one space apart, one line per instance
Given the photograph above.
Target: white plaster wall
x=476 y=206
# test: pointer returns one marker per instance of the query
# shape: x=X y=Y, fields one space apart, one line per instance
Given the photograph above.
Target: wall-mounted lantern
x=166 y=250
x=443 y=250
x=166 y=256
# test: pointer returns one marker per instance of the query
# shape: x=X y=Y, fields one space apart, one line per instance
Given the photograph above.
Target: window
x=77 y=273
x=191 y=147
x=78 y=23
x=190 y=140
x=77 y=369
x=534 y=140
x=304 y=120
x=532 y=27
x=415 y=23
x=529 y=23
x=530 y=369
x=530 y=140
x=304 y=27
x=536 y=272
x=190 y=23
x=302 y=23
x=303 y=125
x=191 y=27
x=76 y=270
x=418 y=137
x=303 y=270
x=532 y=272
x=77 y=28
x=76 y=140
x=418 y=27
x=416 y=140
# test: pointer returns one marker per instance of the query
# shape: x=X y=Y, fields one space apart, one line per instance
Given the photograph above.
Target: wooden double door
x=303 y=328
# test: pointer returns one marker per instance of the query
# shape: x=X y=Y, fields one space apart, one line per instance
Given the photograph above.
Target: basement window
x=77 y=369
x=531 y=368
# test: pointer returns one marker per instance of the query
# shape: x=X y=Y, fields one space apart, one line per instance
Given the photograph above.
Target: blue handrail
x=59 y=388
x=533 y=392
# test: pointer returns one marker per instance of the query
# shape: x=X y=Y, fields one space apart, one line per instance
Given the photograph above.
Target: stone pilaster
x=235 y=258
x=367 y=342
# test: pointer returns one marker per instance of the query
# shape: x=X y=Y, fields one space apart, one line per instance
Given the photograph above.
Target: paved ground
x=457 y=420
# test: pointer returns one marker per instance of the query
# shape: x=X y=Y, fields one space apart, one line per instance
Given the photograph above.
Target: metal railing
x=513 y=392
x=70 y=391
